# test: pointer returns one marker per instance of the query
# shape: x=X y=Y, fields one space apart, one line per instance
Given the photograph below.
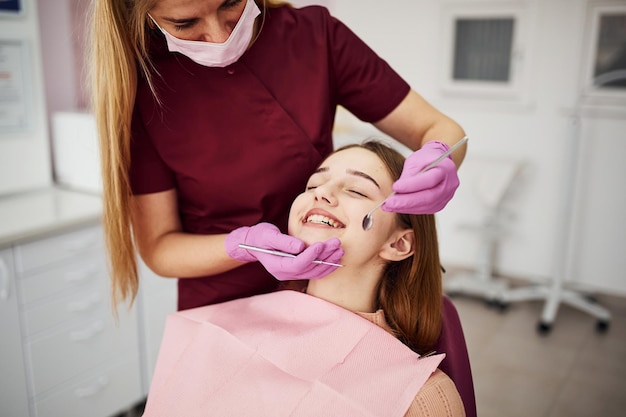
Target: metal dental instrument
x=368 y=221
x=429 y=354
x=285 y=254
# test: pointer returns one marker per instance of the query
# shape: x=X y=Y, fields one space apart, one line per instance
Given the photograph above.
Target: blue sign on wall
x=11 y=6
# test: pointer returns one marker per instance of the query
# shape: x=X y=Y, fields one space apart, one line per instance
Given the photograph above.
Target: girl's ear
x=400 y=246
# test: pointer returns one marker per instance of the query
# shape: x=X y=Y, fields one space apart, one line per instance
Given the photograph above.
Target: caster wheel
x=491 y=303
x=602 y=326
x=502 y=306
x=544 y=328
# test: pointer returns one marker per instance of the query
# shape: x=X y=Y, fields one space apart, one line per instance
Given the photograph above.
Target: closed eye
x=358 y=193
x=182 y=24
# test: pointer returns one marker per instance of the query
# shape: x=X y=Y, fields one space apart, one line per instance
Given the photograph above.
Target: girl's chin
x=318 y=235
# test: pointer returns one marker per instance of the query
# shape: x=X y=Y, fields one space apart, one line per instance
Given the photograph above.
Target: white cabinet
x=62 y=353
x=13 y=397
x=79 y=361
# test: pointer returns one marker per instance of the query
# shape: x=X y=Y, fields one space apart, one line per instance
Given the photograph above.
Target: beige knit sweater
x=438 y=397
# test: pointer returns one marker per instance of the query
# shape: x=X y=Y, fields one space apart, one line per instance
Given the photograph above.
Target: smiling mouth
x=319 y=219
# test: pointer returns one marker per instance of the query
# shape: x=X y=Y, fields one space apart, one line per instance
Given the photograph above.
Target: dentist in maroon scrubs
x=212 y=114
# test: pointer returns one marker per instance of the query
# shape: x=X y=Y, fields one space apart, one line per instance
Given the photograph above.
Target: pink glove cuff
x=233 y=239
x=436 y=145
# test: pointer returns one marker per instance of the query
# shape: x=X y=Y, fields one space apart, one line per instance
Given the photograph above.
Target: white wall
x=24 y=153
x=58 y=55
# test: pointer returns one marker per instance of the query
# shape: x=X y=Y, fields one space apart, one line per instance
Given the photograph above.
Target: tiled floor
x=573 y=371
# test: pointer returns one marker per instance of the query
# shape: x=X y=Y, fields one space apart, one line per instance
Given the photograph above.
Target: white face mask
x=212 y=54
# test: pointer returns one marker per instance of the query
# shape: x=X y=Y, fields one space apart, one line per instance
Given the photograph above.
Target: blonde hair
x=119 y=55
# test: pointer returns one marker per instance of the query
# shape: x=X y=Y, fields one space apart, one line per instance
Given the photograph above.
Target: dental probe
x=285 y=254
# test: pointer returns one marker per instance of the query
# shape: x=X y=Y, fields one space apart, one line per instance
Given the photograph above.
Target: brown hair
x=410 y=291
x=119 y=56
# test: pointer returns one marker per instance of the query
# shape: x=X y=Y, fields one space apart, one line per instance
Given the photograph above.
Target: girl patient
x=323 y=346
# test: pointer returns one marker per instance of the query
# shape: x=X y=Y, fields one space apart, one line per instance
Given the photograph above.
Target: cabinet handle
x=92 y=389
x=86 y=304
x=88 y=333
x=5 y=281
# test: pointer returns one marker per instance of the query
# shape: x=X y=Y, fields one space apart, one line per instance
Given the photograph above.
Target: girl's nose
x=324 y=195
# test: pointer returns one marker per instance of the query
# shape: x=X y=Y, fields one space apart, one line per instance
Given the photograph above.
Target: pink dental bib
x=282 y=354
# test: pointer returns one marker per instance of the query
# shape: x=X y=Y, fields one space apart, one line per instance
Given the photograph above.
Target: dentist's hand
x=268 y=236
x=428 y=192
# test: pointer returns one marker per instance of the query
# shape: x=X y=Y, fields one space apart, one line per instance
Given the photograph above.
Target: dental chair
x=456 y=363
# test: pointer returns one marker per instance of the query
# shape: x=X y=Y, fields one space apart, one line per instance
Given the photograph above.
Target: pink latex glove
x=428 y=192
x=268 y=236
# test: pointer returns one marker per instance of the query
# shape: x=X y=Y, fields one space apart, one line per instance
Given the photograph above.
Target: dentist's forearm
x=181 y=255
